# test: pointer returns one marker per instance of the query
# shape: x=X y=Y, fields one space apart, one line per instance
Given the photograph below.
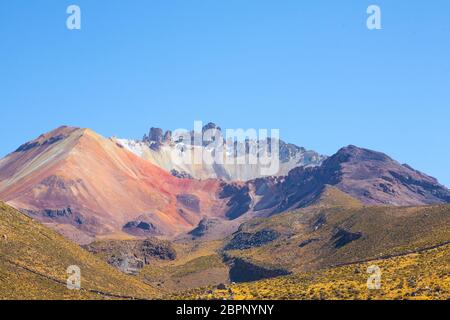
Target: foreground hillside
x=424 y=275
x=320 y=261
x=171 y=266
x=34 y=260
x=335 y=231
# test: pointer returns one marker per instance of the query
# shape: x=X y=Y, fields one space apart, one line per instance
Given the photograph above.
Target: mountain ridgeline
x=369 y=176
x=168 y=151
x=86 y=186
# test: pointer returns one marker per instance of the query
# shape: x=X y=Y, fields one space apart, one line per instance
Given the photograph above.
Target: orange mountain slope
x=87 y=185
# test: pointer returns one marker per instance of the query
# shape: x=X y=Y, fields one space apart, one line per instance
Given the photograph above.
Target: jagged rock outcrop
x=175 y=154
x=131 y=256
x=343 y=237
x=140 y=228
x=181 y=175
x=242 y=270
x=239 y=199
x=246 y=240
x=203 y=227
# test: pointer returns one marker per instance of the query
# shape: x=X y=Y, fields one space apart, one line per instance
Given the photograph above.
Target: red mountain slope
x=74 y=177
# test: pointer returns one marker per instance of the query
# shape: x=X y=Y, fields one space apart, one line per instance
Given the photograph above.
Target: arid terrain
x=138 y=227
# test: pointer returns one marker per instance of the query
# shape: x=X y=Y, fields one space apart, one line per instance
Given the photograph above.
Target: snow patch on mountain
x=161 y=149
x=136 y=147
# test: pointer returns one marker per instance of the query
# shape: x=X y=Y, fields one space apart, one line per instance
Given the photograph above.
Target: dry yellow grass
x=198 y=264
x=424 y=275
x=34 y=260
x=384 y=230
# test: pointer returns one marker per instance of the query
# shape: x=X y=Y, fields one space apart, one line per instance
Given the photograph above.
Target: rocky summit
x=168 y=152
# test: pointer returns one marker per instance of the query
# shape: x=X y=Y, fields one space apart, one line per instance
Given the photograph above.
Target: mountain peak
x=76 y=177
x=354 y=153
x=61 y=130
x=48 y=138
x=375 y=178
x=211 y=125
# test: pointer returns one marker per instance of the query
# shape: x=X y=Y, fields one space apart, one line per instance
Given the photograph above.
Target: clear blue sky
x=310 y=68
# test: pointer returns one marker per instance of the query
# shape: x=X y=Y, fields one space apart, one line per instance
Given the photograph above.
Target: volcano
x=86 y=185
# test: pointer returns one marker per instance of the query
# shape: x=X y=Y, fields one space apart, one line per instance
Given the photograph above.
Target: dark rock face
x=140 y=228
x=58 y=182
x=221 y=286
x=245 y=271
x=57 y=213
x=203 y=227
x=239 y=199
x=423 y=187
x=289 y=151
x=181 y=175
x=306 y=242
x=145 y=226
x=139 y=224
x=63 y=215
x=271 y=194
x=212 y=134
x=228 y=190
x=27 y=146
x=167 y=136
x=211 y=126
x=319 y=222
x=369 y=176
x=158 y=249
x=189 y=201
x=343 y=237
x=156 y=135
x=34 y=144
x=131 y=256
x=374 y=178
x=298 y=189
x=243 y=240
